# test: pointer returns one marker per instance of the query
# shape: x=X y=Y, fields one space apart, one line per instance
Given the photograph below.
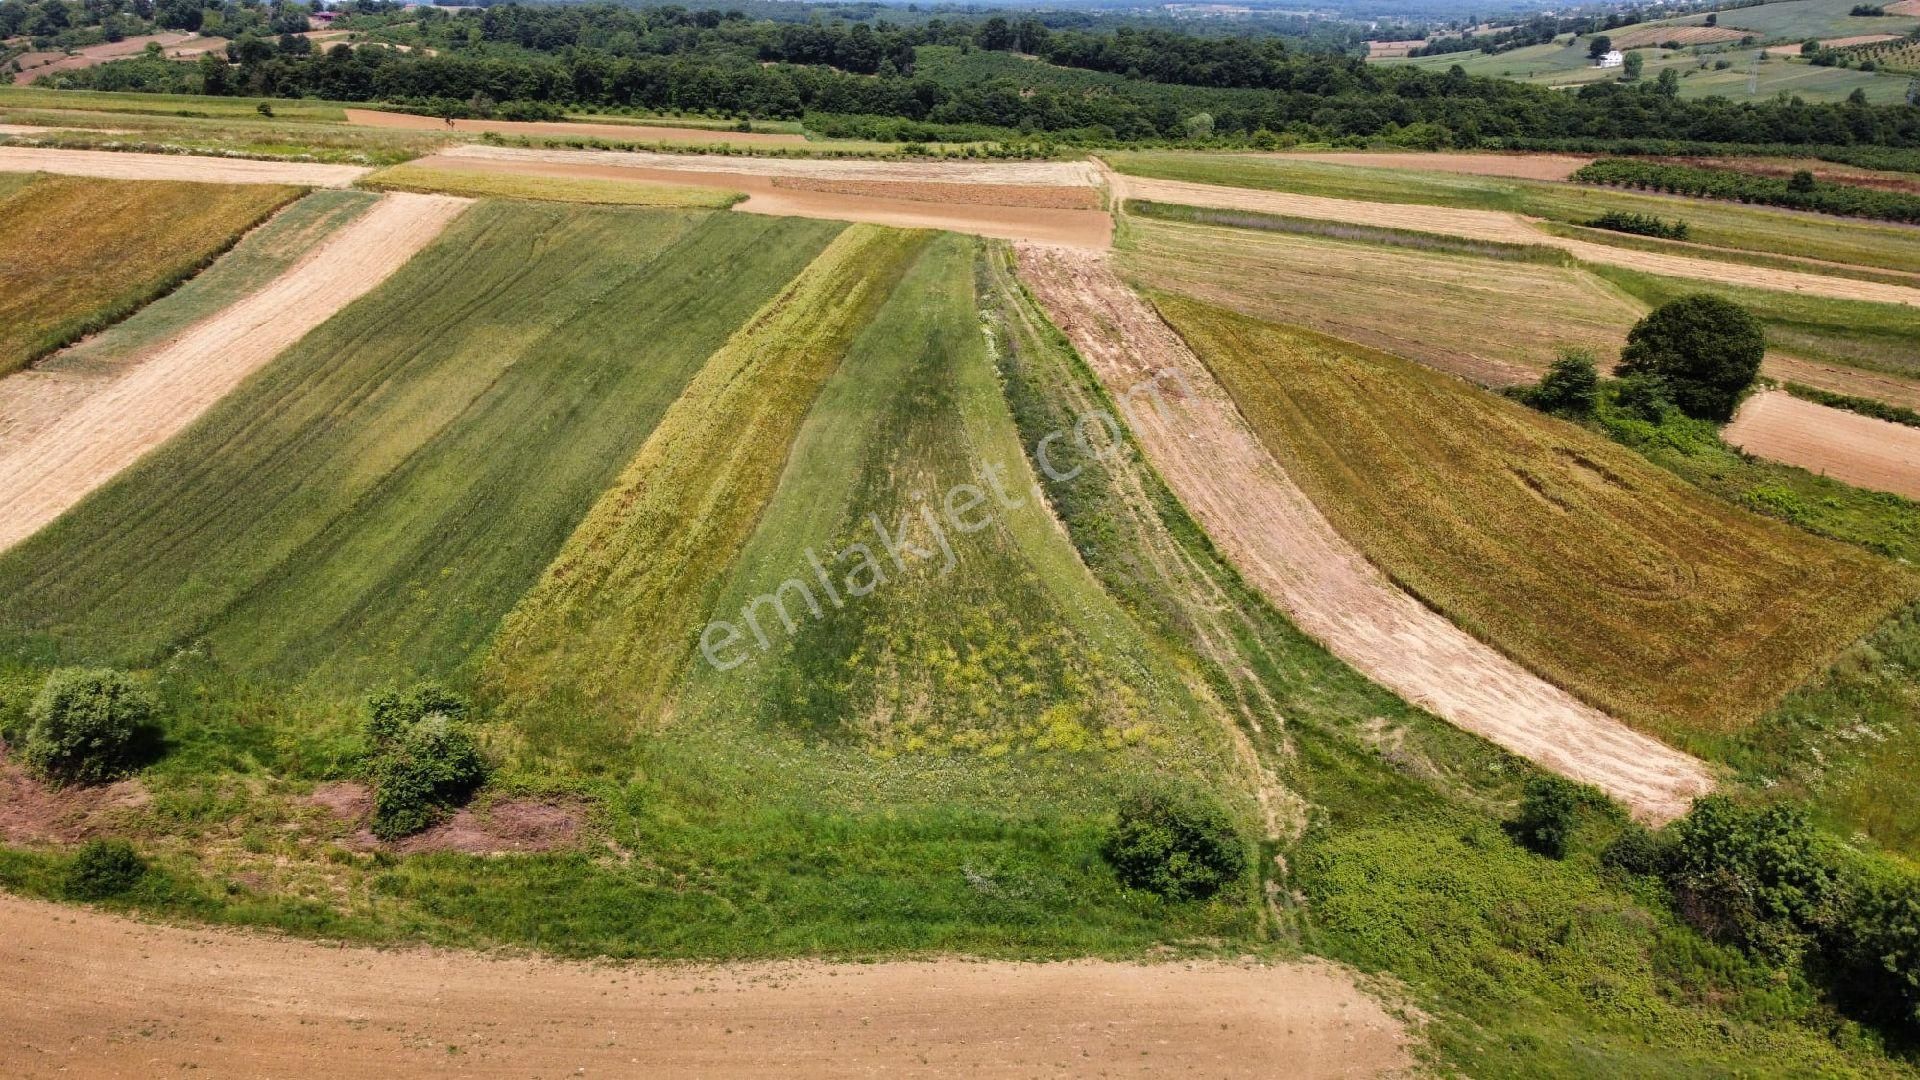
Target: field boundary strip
x=166 y=391
x=1501 y=227
x=1289 y=551
x=118 y=165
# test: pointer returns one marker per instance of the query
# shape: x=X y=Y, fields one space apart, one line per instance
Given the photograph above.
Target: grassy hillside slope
x=1681 y=614
x=79 y=253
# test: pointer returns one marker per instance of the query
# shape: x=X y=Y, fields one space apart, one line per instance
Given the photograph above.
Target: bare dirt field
x=1379 y=50
x=111 y=426
x=1522 y=166
x=585 y=130
x=113 y=165
x=1904 y=7
x=34 y=65
x=1276 y=536
x=1859 y=450
x=1506 y=228
x=1859 y=382
x=760 y=179
x=94 y=995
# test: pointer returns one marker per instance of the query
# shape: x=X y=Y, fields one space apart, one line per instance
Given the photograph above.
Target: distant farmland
x=78 y=254
x=1677 y=612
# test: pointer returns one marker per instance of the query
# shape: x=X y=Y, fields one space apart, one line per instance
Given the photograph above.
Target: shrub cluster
x=423 y=762
x=1549 y=810
x=86 y=726
x=1640 y=225
x=1699 y=354
x=103 y=868
x=1571 y=386
x=1800 y=192
x=1182 y=847
x=1765 y=880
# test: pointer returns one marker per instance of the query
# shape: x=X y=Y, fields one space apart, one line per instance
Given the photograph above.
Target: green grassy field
x=1675 y=612
x=798 y=805
x=592 y=653
x=80 y=254
x=365 y=436
x=1726 y=225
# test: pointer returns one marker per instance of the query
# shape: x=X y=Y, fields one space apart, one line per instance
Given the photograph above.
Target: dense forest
x=1012 y=74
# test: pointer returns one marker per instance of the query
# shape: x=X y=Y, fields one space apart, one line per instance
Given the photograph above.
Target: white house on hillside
x=1612 y=59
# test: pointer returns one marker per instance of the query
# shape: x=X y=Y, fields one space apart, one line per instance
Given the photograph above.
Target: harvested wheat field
x=653 y=133
x=1286 y=547
x=1686 y=35
x=76 y=254
x=762 y=181
x=114 y=165
x=1861 y=450
x=1834 y=43
x=1859 y=382
x=112 y=997
x=1046 y=196
x=1502 y=227
x=1496 y=321
x=1521 y=166
x=41 y=477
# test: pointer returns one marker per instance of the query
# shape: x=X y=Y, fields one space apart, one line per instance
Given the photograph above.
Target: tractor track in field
x=107 y=428
x=1275 y=535
x=95 y=995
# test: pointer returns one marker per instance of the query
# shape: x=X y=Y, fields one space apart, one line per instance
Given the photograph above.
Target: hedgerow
x=1799 y=193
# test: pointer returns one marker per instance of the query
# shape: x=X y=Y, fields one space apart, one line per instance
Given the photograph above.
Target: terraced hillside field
x=78 y=254
x=1683 y=615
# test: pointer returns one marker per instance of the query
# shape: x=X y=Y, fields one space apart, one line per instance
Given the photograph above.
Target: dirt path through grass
x=114 y=165
x=94 y=995
x=43 y=475
x=1860 y=450
x=1287 y=549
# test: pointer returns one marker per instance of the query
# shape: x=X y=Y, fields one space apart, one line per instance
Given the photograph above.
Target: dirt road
x=91 y=995
x=113 y=165
x=1506 y=228
x=1276 y=537
x=1859 y=450
x=653 y=133
x=763 y=181
x=59 y=463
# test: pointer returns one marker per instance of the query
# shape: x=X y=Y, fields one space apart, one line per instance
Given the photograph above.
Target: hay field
x=79 y=254
x=480 y=183
x=1496 y=321
x=606 y=633
x=1678 y=613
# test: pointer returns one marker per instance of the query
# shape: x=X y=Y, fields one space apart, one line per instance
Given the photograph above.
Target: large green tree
x=1706 y=350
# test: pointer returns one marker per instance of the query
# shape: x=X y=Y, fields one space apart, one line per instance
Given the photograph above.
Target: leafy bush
x=1549 y=810
x=424 y=761
x=1637 y=850
x=1705 y=349
x=1570 y=387
x=103 y=868
x=1882 y=938
x=1758 y=877
x=1182 y=847
x=86 y=725
x=1641 y=225
x=1642 y=397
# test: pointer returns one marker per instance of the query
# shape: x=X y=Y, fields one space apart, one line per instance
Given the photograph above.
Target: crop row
x=1801 y=192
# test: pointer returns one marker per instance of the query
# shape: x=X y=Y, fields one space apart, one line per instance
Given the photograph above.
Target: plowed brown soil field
x=92 y=995
x=762 y=180
x=1859 y=450
x=111 y=427
x=1286 y=547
